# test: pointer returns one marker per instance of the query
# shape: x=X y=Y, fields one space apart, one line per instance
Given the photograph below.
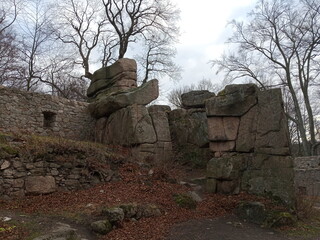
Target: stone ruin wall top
x=36 y=113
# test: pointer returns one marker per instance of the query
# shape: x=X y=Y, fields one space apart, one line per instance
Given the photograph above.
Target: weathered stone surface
x=102 y=227
x=43 y=114
x=189 y=127
x=177 y=114
x=130 y=210
x=226 y=146
x=5 y=165
x=228 y=187
x=111 y=103
x=99 y=129
x=254 y=212
x=121 y=82
x=273 y=182
x=40 y=185
x=157 y=152
x=198 y=129
x=159 y=108
x=272 y=129
x=195 y=196
x=119 y=76
x=223 y=128
x=211 y=186
x=160 y=123
x=148 y=210
x=60 y=232
x=121 y=66
x=196 y=99
x=247 y=131
x=266 y=161
x=226 y=168
x=114 y=215
x=234 y=100
x=130 y=126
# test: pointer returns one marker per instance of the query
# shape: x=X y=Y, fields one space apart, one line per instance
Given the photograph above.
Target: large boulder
x=272 y=129
x=226 y=168
x=189 y=127
x=114 y=215
x=119 y=67
x=157 y=152
x=121 y=75
x=37 y=185
x=159 y=116
x=234 y=100
x=102 y=227
x=270 y=174
x=108 y=104
x=130 y=126
x=247 y=131
x=196 y=99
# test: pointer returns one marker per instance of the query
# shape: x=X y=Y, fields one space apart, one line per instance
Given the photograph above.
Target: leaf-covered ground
x=137 y=185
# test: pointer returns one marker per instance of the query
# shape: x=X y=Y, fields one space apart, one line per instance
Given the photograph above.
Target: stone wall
x=307 y=175
x=49 y=168
x=42 y=114
x=249 y=137
x=27 y=176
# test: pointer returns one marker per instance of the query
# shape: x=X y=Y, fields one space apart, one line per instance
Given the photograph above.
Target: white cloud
x=203 y=33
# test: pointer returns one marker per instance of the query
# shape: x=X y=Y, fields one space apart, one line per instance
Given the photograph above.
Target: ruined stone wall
x=42 y=114
x=307 y=175
x=34 y=165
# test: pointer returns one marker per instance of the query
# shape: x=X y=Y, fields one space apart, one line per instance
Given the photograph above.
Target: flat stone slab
x=196 y=99
x=142 y=95
x=234 y=101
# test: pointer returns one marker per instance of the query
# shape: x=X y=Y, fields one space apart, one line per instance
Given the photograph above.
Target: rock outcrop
x=121 y=75
x=196 y=99
x=248 y=135
x=110 y=103
x=122 y=116
x=189 y=129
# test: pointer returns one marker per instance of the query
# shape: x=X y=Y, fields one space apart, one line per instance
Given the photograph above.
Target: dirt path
x=225 y=228
x=40 y=226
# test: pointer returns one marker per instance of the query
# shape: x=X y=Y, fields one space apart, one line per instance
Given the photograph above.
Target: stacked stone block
x=249 y=137
x=122 y=115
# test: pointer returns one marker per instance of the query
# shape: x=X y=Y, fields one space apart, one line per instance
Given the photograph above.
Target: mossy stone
x=185 y=201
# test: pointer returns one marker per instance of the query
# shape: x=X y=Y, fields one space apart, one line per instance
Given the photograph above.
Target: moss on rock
x=185 y=201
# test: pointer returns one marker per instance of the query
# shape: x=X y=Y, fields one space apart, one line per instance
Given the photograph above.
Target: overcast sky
x=203 y=34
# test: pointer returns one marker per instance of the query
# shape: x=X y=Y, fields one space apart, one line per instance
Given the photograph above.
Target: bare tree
x=9 y=48
x=9 y=60
x=157 y=59
x=81 y=27
x=8 y=14
x=36 y=41
x=132 y=19
x=281 y=39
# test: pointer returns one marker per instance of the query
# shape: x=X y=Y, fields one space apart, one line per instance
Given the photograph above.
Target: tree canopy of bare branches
x=279 y=46
x=132 y=19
